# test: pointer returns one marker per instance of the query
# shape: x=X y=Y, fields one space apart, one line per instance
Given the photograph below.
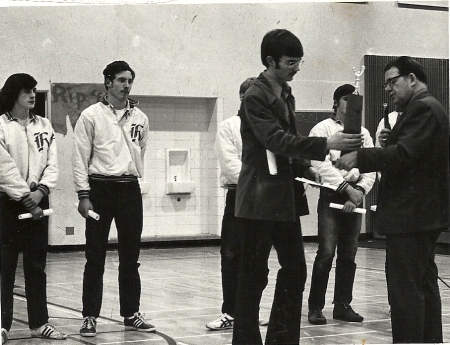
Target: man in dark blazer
x=413 y=200
x=265 y=202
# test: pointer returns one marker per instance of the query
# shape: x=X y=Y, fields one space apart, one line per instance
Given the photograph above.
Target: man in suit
x=265 y=201
x=413 y=200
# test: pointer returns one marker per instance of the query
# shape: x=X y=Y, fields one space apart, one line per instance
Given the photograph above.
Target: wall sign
x=70 y=99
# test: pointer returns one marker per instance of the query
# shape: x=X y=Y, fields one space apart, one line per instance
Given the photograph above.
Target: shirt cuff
x=83 y=194
x=361 y=189
x=44 y=189
x=342 y=187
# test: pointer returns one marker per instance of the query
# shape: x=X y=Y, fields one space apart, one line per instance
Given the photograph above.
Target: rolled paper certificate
x=91 y=213
x=326 y=185
x=29 y=215
x=272 y=162
x=340 y=207
x=373 y=208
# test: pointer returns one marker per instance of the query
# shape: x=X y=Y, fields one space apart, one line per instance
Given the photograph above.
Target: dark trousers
x=413 y=289
x=340 y=230
x=230 y=251
x=123 y=202
x=284 y=323
x=30 y=237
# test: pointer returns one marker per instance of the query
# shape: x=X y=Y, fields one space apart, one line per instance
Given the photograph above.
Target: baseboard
x=153 y=242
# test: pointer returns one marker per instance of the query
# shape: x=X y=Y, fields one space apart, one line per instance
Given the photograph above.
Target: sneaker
x=138 y=323
x=88 y=328
x=263 y=321
x=47 y=331
x=316 y=317
x=4 y=335
x=224 y=321
x=344 y=312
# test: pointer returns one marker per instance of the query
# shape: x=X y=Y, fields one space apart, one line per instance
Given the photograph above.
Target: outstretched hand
x=344 y=141
x=348 y=161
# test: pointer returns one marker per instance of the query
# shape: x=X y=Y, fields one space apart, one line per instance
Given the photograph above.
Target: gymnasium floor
x=181 y=292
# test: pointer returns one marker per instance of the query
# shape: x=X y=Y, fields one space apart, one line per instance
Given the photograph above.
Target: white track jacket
x=108 y=146
x=32 y=149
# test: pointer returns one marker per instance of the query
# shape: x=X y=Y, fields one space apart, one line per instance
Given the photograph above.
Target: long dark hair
x=11 y=90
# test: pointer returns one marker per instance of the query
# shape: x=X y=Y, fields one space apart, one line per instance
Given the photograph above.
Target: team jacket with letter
x=33 y=149
x=105 y=145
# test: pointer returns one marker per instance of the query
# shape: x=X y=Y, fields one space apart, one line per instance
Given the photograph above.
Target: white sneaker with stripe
x=138 y=323
x=47 y=331
x=224 y=321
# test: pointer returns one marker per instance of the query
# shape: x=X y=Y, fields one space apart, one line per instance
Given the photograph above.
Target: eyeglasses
x=293 y=64
x=391 y=81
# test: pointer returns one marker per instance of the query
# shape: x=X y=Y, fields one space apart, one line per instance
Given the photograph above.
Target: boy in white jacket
x=28 y=173
x=337 y=228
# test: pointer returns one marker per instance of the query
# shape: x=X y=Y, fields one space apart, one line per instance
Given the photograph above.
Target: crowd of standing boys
x=260 y=155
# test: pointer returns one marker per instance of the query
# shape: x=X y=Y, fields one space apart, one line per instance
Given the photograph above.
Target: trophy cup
x=352 y=123
x=353 y=114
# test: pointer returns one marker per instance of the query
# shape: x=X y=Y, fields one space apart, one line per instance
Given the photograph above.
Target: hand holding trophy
x=353 y=114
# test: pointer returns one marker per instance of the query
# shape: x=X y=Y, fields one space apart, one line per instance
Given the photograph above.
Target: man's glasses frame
x=292 y=64
x=391 y=81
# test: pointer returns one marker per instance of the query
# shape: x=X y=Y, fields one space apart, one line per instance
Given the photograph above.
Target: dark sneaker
x=344 y=312
x=316 y=317
x=88 y=328
x=47 y=331
x=138 y=323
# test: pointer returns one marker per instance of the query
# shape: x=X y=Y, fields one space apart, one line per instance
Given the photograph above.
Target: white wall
x=208 y=50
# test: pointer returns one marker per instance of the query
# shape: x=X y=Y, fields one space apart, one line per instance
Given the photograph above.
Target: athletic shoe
x=138 y=323
x=88 y=328
x=4 y=335
x=47 y=331
x=224 y=321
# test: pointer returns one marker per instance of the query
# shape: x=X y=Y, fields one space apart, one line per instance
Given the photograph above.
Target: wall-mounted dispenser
x=178 y=172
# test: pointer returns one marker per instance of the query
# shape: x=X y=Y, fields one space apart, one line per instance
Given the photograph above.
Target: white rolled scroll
x=91 y=213
x=272 y=162
x=29 y=215
x=340 y=207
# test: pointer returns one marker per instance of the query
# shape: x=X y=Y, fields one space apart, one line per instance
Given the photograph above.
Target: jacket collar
x=130 y=105
x=417 y=96
x=267 y=85
x=32 y=117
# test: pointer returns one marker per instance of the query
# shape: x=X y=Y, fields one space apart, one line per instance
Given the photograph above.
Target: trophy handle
x=357 y=77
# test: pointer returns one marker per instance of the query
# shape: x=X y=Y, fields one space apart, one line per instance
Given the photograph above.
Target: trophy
x=353 y=114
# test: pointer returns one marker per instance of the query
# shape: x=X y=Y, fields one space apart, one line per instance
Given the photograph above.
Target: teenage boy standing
x=110 y=138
